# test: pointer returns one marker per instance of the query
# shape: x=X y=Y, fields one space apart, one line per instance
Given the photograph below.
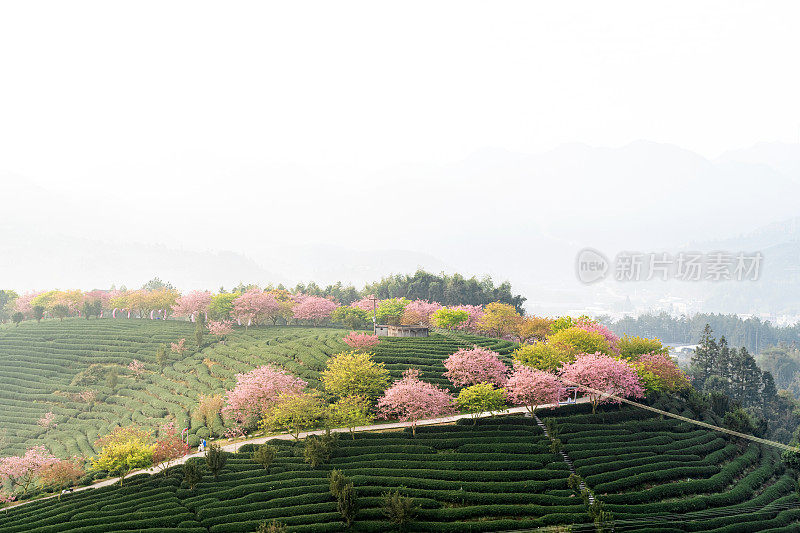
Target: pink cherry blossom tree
x=475 y=365
x=313 y=308
x=136 y=368
x=361 y=341
x=254 y=307
x=192 y=304
x=598 y=375
x=531 y=387
x=220 y=328
x=595 y=327
x=48 y=420
x=475 y=313
x=420 y=311
x=20 y=472
x=256 y=391
x=178 y=347
x=23 y=303
x=411 y=399
x=366 y=303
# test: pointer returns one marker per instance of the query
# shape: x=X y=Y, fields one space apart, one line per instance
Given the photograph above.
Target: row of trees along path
x=234 y=446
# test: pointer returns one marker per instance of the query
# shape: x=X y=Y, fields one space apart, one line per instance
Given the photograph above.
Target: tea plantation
x=45 y=367
x=498 y=475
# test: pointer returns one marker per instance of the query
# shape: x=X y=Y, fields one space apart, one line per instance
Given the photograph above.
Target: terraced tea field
x=493 y=476
x=428 y=354
x=45 y=367
x=498 y=475
x=647 y=471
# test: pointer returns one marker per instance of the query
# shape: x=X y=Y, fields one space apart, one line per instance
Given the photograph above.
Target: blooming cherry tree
x=20 y=472
x=366 y=303
x=361 y=341
x=475 y=315
x=531 y=387
x=136 y=368
x=48 y=420
x=220 y=328
x=256 y=391
x=178 y=347
x=476 y=365
x=411 y=399
x=590 y=325
x=169 y=447
x=420 y=311
x=599 y=375
x=254 y=307
x=313 y=308
x=192 y=304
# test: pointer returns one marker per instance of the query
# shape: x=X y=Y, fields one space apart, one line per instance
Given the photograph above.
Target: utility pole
x=374 y=314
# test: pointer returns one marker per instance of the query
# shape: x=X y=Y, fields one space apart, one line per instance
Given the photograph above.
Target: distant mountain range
x=513 y=216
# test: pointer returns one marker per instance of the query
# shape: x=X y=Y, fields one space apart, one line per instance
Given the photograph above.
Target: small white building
x=387 y=330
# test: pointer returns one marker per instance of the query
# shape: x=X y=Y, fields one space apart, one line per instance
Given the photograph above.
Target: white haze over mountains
x=211 y=144
x=512 y=216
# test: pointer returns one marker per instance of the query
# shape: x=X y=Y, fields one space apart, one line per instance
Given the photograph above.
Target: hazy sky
x=197 y=123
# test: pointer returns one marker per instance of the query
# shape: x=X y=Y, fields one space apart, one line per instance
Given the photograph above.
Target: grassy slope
x=498 y=475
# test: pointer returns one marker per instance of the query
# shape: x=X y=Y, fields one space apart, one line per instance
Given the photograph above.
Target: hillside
x=49 y=366
x=498 y=475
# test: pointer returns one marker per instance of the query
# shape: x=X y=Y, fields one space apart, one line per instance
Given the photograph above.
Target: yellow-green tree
x=543 y=355
x=499 y=319
x=124 y=450
x=575 y=341
x=481 y=398
x=449 y=318
x=293 y=413
x=632 y=347
x=349 y=412
x=355 y=374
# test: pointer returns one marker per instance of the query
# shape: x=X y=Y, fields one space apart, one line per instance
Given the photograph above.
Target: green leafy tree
x=38 y=312
x=631 y=348
x=561 y=323
x=124 y=450
x=391 y=310
x=576 y=341
x=293 y=413
x=161 y=355
x=398 y=509
x=216 y=459
x=350 y=317
x=60 y=311
x=499 y=319
x=264 y=455
x=317 y=449
x=198 y=331
x=481 y=398
x=354 y=373
x=337 y=480
x=543 y=355
x=350 y=412
x=221 y=305
x=193 y=472
x=17 y=317
x=449 y=318
x=704 y=359
x=347 y=504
